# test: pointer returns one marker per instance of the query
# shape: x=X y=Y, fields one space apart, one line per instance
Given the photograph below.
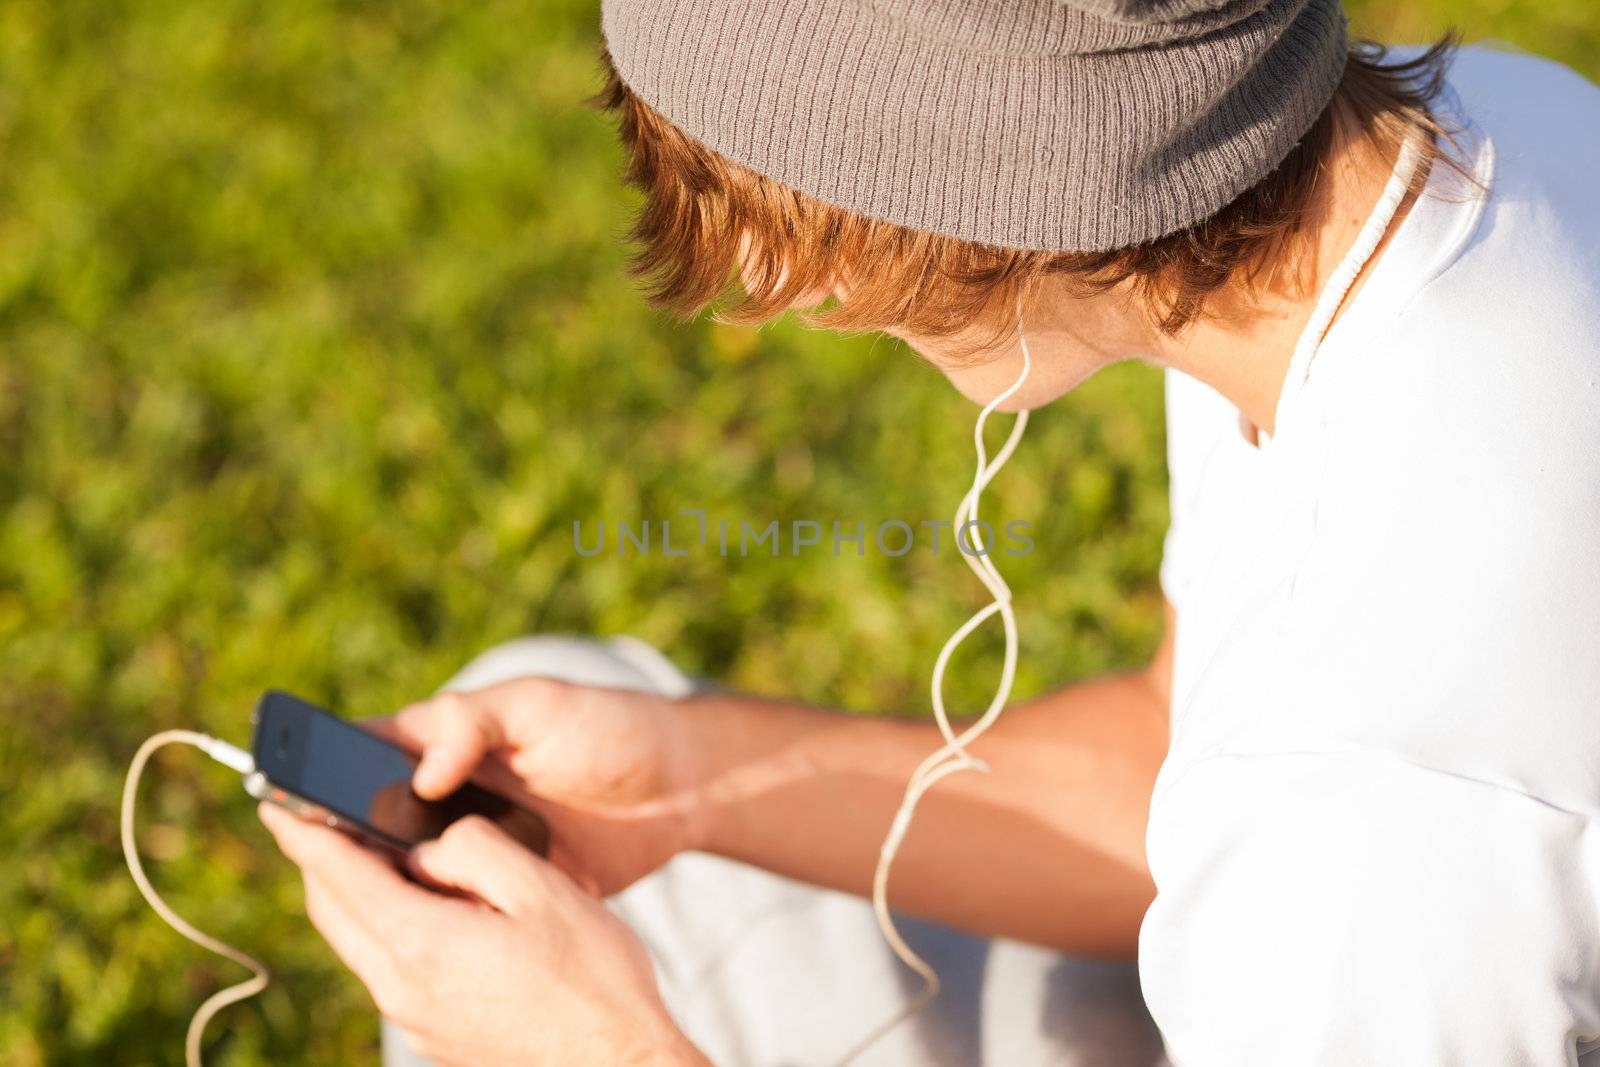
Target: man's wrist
x=731 y=749
x=737 y=751
x=693 y=771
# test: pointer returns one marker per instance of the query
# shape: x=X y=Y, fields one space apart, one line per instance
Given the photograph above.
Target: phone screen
x=366 y=780
x=345 y=771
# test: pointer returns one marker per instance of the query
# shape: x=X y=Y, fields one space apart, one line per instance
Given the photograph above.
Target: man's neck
x=1243 y=349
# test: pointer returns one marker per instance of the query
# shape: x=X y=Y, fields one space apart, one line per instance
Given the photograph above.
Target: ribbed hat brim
x=1024 y=149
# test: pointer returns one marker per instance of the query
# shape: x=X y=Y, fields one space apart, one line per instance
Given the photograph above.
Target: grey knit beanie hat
x=1066 y=125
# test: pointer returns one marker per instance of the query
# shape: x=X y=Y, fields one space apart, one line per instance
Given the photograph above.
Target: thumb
x=442 y=771
x=475 y=856
x=454 y=732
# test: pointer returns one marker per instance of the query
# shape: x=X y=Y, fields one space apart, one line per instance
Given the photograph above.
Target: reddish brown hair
x=713 y=232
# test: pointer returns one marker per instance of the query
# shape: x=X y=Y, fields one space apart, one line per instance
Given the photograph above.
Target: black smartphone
x=321 y=767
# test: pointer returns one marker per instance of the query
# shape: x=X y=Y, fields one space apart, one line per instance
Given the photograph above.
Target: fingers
x=360 y=949
x=476 y=856
x=490 y=772
x=454 y=732
x=385 y=929
x=368 y=885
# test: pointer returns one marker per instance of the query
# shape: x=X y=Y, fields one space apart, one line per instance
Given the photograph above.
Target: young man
x=1377 y=714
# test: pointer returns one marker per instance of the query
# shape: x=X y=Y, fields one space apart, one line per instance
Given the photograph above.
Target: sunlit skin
x=1049 y=848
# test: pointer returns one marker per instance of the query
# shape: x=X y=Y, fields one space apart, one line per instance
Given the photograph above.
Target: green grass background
x=314 y=341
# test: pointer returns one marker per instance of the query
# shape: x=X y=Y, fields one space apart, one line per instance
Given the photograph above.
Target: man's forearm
x=1049 y=847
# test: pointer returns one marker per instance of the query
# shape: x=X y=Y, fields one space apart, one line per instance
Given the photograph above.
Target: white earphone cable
x=1337 y=287
x=953 y=755
x=240 y=761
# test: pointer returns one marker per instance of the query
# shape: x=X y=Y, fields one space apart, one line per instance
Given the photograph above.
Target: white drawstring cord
x=953 y=755
x=240 y=761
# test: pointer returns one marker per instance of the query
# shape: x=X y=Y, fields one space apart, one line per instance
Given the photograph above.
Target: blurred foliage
x=315 y=340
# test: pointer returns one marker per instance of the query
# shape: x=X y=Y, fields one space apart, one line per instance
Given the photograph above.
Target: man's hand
x=524 y=968
x=612 y=770
x=1048 y=849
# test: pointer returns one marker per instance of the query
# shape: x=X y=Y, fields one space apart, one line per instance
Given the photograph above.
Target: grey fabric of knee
x=615 y=663
x=762 y=971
